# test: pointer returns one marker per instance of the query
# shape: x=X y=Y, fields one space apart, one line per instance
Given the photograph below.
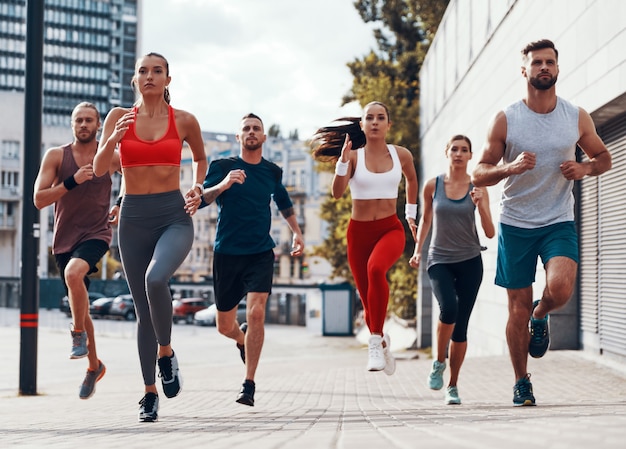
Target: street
x=312 y=392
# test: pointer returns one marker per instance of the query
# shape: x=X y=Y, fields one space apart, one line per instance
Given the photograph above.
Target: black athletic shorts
x=91 y=251
x=235 y=276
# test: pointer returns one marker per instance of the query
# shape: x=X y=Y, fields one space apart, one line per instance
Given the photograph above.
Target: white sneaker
x=376 y=360
x=390 y=361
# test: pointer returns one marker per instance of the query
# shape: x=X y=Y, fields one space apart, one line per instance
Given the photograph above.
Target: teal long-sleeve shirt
x=245 y=217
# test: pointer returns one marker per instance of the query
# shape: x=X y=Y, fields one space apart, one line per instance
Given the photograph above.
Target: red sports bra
x=135 y=152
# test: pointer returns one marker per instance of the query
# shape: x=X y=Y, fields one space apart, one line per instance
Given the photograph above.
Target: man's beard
x=542 y=83
x=252 y=146
x=88 y=139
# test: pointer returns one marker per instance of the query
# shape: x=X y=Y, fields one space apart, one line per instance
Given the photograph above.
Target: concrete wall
x=473 y=70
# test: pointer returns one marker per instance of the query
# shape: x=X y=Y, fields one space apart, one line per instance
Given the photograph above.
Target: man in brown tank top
x=82 y=232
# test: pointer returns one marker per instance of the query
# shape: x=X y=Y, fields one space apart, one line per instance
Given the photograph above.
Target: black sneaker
x=539 y=335
x=148 y=412
x=523 y=392
x=242 y=348
x=171 y=380
x=246 y=395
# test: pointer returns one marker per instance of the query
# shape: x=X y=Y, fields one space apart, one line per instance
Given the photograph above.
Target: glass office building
x=89 y=53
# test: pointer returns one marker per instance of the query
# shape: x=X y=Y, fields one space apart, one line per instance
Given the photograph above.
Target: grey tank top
x=541 y=196
x=454 y=237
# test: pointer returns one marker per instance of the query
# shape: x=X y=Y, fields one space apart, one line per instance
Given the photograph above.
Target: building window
x=10 y=149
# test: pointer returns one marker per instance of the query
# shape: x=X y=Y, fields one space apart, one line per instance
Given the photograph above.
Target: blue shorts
x=518 y=249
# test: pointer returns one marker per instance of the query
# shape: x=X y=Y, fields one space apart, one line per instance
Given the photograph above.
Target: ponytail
x=327 y=142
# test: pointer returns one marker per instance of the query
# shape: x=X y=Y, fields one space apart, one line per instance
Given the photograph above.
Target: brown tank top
x=82 y=213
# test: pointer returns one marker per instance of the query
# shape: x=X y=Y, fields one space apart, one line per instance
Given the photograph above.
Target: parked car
x=101 y=307
x=64 y=305
x=185 y=308
x=123 y=307
x=206 y=317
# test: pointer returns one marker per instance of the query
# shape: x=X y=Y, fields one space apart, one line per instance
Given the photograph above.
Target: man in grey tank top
x=535 y=139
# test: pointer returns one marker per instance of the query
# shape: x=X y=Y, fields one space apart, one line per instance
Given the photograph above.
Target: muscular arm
x=48 y=189
x=489 y=171
x=600 y=159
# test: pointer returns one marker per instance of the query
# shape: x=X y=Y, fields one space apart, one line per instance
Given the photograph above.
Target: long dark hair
x=327 y=142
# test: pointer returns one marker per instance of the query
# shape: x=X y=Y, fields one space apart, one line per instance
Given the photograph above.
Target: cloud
x=285 y=60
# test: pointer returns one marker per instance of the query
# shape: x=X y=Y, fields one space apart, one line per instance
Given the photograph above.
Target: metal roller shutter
x=588 y=268
x=611 y=243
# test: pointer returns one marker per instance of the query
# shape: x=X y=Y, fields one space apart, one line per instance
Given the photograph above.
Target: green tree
x=389 y=74
x=274 y=131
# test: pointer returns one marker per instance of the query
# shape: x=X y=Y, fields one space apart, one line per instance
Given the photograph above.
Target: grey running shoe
x=539 y=335
x=242 y=348
x=149 y=408
x=246 y=394
x=452 y=396
x=523 y=392
x=88 y=388
x=171 y=380
x=435 y=378
x=390 y=361
x=79 y=345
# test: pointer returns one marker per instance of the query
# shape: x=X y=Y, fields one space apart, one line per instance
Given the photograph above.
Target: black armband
x=118 y=201
x=70 y=182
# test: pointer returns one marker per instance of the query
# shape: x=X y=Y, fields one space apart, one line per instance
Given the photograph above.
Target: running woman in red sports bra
x=375 y=234
x=155 y=224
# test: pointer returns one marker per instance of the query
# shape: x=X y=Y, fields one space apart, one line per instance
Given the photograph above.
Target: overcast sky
x=284 y=60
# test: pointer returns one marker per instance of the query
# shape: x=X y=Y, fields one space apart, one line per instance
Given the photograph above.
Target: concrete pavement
x=312 y=392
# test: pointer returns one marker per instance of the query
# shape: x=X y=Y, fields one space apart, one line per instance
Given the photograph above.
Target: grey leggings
x=155 y=236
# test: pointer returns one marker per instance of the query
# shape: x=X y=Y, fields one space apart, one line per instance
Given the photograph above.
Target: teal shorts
x=518 y=249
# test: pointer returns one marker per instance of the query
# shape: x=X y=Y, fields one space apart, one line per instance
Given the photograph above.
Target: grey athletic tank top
x=541 y=196
x=454 y=237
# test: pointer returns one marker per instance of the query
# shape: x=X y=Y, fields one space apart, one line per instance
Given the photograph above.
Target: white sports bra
x=365 y=185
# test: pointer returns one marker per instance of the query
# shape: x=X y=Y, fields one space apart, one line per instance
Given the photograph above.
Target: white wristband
x=341 y=168
x=410 y=211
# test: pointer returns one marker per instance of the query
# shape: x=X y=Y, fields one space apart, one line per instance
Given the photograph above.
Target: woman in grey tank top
x=455 y=267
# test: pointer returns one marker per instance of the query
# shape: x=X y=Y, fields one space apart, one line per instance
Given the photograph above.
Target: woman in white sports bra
x=375 y=234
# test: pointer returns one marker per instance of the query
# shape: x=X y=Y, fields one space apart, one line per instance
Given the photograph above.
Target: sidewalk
x=312 y=392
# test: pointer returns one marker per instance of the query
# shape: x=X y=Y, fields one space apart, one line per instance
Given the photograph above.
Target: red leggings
x=373 y=247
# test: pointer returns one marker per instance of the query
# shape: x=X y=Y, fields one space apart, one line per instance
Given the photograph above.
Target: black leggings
x=455 y=286
x=155 y=236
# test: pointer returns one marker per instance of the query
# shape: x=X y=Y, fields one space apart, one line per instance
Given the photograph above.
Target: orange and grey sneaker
x=79 y=344
x=88 y=387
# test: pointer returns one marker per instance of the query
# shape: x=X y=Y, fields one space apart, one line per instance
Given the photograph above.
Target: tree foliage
x=390 y=73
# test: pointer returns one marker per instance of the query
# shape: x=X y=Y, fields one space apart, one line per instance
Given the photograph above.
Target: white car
x=206 y=317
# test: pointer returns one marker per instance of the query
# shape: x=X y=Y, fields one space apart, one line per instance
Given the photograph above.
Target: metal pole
x=29 y=316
